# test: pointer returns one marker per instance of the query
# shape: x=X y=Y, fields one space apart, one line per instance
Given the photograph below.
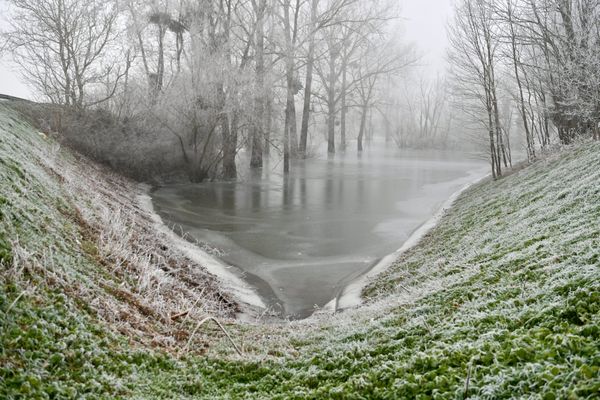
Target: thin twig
x=15 y=301
x=179 y=315
x=193 y=306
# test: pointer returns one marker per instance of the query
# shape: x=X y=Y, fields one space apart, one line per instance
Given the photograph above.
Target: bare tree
x=209 y=77
x=508 y=12
x=64 y=48
x=290 y=32
x=377 y=61
x=258 y=130
x=322 y=19
x=310 y=59
x=473 y=57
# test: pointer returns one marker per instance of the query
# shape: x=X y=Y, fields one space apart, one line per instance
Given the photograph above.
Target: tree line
x=201 y=80
x=542 y=57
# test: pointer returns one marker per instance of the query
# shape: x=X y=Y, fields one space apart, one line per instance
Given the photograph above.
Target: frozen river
x=299 y=241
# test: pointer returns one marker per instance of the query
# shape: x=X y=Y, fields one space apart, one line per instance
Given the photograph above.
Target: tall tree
x=63 y=48
x=258 y=129
x=310 y=59
x=474 y=47
x=377 y=61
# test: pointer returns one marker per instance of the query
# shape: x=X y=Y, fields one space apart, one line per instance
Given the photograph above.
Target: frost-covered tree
x=208 y=78
x=473 y=56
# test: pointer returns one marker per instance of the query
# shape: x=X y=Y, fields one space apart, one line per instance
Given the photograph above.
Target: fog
x=301 y=239
x=10 y=81
x=299 y=198
x=422 y=22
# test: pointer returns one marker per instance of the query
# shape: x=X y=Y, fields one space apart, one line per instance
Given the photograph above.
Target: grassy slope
x=82 y=275
x=47 y=344
x=504 y=290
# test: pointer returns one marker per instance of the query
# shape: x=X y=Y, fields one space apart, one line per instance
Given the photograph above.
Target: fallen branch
x=194 y=305
x=222 y=329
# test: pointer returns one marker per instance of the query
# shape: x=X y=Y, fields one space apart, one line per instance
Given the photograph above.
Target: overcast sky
x=9 y=81
x=424 y=24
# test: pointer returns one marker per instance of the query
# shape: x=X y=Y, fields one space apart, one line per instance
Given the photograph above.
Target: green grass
x=505 y=291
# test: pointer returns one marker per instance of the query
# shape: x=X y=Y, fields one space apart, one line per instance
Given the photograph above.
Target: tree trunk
x=161 y=59
x=256 y=160
x=289 y=73
x=293 y=128
x=331 y=105
x=492 y=103
x=286 y=141
x=308 y=82
x=493 y=153
x=499 y=134
x=363 y=125
x=290 y=119
x=229 y=147
x=343 y=107
x=528 y=136
x=268 y=125
x=306 y=110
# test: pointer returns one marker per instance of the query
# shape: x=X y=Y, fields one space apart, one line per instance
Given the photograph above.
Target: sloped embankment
x=500 y=300
x=75 y=251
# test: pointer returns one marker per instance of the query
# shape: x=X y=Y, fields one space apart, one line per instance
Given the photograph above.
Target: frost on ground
x=351 y=296
x=68 y=225
x=503 y=294
x=503 y=291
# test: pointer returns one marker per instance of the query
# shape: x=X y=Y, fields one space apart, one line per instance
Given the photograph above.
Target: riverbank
x=230 y=281
x=502 y=293
x=70 y=225
x=351 y=295
x=300 y=240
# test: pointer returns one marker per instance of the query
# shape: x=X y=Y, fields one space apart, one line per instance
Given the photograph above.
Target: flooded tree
x=210 y=79
x=258 y=129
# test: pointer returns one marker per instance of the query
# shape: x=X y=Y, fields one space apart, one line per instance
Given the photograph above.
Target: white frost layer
x=351 y=294
x=229 y=281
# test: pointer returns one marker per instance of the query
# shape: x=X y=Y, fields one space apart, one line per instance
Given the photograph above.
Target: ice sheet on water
x=309 y=235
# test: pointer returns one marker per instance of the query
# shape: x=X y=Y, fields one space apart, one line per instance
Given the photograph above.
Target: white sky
x=10 y=83
x=424 y=24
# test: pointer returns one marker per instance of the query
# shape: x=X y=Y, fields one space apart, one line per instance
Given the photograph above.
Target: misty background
x=423 y=23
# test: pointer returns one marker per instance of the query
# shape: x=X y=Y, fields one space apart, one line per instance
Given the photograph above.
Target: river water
x=300 y=240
